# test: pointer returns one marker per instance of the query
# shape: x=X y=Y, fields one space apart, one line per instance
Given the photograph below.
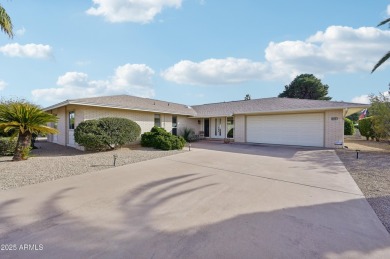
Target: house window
x=157 y=120
x=71 y=120
x=230 y=127
x=174 y=125
x=216 y=127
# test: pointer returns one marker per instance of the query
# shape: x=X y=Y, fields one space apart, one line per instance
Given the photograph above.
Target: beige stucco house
x=281 y=121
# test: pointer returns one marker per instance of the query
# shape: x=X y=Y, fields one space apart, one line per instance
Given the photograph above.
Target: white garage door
x=295 y=129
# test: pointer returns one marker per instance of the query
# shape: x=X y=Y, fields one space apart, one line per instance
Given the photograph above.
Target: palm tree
x=5 y=22
x=24 y=119
x=387 y=55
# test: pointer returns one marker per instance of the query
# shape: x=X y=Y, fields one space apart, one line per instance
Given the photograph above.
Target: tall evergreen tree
x=306 y=86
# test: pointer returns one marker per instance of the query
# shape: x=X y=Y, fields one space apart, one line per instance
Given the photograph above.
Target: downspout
x=66 y=126
x=226 y=127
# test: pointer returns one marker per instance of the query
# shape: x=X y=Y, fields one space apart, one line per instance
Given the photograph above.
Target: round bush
x=106 y=133
x=119 y=131
x=89 y=135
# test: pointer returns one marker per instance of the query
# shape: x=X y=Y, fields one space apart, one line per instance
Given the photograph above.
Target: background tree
x=306 y=86
x=348 y=127
x=5 y=22
x=247 y=97
x=387 y=55
x=24 y=119
x=380 y=111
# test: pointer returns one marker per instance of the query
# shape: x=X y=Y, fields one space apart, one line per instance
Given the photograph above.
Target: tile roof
x=265 y=105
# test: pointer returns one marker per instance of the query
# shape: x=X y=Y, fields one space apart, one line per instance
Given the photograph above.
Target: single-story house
x=281 y=121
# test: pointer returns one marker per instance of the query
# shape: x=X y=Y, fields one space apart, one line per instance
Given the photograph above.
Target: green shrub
x=147 y=139
x=348 y=127
x=163 y=142
x=230 y=133
x=188 y=134
x=106 y=133
x=178 y=142
x=89 y=135
x=159 y=138
x=366 y=128
x=119 y=131
x=7 y=146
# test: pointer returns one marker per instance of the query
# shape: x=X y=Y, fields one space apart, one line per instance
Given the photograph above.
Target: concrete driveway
x=217 y=201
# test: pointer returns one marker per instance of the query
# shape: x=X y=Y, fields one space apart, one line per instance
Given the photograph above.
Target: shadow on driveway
x=141 y=225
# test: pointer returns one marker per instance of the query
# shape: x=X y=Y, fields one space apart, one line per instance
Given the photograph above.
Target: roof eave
x=69 y=102
x=306 y=110
x=58 y=105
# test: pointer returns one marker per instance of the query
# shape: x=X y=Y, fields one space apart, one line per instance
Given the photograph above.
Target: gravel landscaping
x=51 y=161
x=371 y=172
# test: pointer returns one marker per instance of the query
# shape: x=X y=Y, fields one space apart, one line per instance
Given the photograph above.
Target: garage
x=293 y=129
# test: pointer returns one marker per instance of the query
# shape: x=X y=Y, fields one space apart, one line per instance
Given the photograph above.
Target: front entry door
x=206 y=128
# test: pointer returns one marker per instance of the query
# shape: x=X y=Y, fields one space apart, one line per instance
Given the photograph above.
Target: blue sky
x=191 y=51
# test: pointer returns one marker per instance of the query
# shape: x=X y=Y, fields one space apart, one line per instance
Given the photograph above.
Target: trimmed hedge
x=366 y=127
x=7 y=146
x=348 y=127
x=106 y=133
x=159 y=138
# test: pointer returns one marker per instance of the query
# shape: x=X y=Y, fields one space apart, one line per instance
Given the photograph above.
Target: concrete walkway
x=217 y=201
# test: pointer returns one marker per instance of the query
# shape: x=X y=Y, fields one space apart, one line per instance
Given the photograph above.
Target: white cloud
x=29 y=50
x=361 y=99
x=73 y=79
x=215 y=71
x=2 y=85
x=139 y=11
x=336 y=50
x=133 y=79
x=365 y=98
x=388 y=9
x=20 y=32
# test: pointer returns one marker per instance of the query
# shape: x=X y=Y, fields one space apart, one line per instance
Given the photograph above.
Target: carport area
x=216 y=201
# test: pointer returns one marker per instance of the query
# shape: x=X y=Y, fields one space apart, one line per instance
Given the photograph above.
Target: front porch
x=216 y=128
